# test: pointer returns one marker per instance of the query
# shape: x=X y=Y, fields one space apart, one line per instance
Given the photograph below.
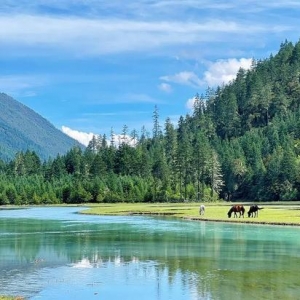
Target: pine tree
x=170 y=139
x=157 y=134
x=216 y=176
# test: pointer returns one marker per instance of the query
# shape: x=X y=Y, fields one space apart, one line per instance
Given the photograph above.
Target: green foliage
x=241 y=142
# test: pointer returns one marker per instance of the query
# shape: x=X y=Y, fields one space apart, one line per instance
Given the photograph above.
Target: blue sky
x=92 y=66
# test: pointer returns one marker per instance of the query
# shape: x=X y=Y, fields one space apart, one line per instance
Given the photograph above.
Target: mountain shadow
x=23 y=129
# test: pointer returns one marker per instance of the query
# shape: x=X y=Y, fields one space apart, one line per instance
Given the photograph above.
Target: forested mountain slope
x=23 y=129
x=256 y=128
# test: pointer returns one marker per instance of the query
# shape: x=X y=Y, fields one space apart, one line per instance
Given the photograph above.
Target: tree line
x=242 y=142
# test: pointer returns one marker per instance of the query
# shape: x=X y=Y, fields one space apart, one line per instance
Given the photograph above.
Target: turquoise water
x=56 y=253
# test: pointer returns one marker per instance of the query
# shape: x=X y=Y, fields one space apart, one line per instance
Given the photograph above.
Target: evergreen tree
x=157 y=134
x=170 y=139
x=216 y=176
x=183 y=157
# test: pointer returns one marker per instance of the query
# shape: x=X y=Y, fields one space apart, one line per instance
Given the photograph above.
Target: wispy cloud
x=185 y=77
x=137 y=98
x=82 y=36
x=140 y=8
x=116 y=113
x=21 y=84
x=165 y=87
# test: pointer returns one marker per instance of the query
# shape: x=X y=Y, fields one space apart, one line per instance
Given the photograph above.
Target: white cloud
x=165 y=87
x=218 y=73
x=82 y=137
x=120 y=139
x=190 y=103
x=223 y=71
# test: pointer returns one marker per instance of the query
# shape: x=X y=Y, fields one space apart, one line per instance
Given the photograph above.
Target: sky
x=98 y=66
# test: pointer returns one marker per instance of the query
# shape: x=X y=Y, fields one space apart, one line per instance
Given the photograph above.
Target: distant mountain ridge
x=23 y=129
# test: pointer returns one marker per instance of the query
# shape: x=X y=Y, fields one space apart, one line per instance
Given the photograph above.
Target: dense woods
x=242 y=142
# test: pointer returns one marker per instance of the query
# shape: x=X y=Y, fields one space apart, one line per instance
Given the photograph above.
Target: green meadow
x=272 y=213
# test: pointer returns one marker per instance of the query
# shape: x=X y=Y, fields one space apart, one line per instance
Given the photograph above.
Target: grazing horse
x=201 y=209
x=253 y=211
x=236 y=209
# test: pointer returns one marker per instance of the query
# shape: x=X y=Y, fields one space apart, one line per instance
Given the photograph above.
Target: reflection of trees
x=208 y=261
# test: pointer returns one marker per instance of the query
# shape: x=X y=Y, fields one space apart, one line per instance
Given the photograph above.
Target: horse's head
x=229 y=214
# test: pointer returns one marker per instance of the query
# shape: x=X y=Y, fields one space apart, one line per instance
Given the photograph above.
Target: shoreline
x=237 y=221
x=244 y=222
x=273 y=214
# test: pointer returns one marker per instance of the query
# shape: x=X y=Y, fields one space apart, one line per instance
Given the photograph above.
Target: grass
x=11 y=298
x=272 y=213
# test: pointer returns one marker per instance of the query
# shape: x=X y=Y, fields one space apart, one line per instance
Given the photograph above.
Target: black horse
x=236 y=209
x=253 y=211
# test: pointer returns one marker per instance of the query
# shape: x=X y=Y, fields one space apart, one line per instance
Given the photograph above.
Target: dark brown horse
x=236 y=209
x=253 y=211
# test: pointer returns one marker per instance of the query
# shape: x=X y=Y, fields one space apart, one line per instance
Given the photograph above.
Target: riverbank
x=287 y=213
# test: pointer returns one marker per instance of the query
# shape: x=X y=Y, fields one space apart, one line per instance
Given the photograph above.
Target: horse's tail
x=260 y=207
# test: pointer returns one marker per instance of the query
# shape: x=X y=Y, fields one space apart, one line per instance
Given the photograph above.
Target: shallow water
x=56 y=253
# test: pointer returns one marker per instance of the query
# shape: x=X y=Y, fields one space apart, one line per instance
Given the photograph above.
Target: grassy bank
x=11 y=298
x=272 y=213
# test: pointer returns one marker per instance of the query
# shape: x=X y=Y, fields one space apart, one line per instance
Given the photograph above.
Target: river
x=57 y=253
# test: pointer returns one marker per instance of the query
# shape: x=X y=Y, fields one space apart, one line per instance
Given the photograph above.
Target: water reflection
x=69 y=256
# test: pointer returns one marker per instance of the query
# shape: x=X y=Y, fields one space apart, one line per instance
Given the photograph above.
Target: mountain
x=22 y=129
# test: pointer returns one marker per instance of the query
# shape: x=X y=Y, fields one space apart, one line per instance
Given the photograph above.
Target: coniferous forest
x=242 y=142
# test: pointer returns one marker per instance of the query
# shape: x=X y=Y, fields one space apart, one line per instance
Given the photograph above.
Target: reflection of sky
x=112 y=270
x=110 y=280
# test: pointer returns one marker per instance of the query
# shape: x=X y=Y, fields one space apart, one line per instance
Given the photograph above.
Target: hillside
x=23 y=129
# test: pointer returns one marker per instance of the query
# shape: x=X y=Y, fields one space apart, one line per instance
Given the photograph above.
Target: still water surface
x=56 y=253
